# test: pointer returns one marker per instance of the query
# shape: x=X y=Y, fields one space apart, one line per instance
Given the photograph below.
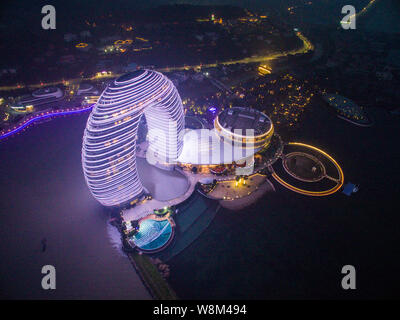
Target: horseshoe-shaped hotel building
x=110 y=137
x=109 y=142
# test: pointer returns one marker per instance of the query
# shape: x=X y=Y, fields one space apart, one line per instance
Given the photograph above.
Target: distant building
x=87 y=89
x=40 y=99
x=8 y=71
x=199 y=37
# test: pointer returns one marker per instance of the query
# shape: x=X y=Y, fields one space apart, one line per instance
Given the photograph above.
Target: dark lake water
x=44 y=195
x=292 y=246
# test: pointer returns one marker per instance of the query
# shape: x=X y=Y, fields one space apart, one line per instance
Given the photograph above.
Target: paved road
x=43 y=195
x=307 y=46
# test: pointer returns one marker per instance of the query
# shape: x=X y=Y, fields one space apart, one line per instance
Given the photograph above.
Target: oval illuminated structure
x=245 y=126
x=109 y=141
x=338 y=181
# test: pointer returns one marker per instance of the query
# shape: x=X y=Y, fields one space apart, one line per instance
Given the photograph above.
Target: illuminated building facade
x=109 y=141
x=39 y=99
x=233 y=124
x=238 y=135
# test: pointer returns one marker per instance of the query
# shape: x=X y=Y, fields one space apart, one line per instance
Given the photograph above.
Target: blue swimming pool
x=152 y=234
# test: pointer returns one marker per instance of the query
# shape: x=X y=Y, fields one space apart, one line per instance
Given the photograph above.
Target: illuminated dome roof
x=245 y=125
x=239 y=118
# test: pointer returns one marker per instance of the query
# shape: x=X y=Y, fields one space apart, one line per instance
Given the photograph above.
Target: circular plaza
x=308 y=170
x=304 y=167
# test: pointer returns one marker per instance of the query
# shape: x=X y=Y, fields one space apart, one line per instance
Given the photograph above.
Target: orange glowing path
x=363 y=10
x=339 y=181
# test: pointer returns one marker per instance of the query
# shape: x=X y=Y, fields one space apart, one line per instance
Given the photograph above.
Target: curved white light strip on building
x=257 y=141
x=109 y=141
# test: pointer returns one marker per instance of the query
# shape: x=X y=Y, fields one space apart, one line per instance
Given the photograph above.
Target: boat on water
x=348 y=110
